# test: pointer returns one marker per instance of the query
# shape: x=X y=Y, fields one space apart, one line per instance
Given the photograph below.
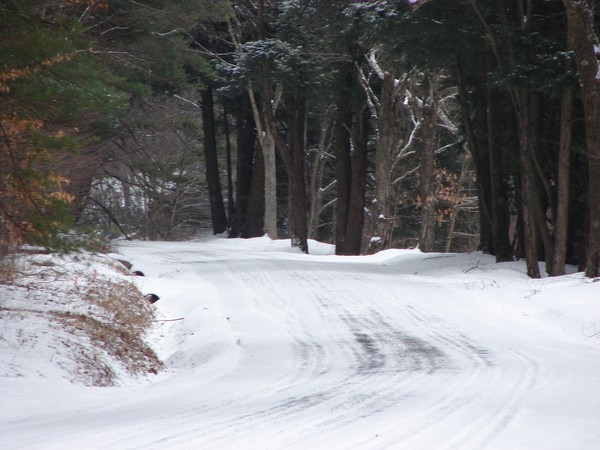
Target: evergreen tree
x=53 y=99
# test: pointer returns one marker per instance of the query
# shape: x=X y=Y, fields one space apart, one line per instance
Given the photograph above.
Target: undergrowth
x=99 y=321
x=121 y=343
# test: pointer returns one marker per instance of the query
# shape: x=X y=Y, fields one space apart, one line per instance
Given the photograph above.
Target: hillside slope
x=76 y=317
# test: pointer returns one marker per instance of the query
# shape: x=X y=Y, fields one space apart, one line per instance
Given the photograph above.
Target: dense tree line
x=448 y=124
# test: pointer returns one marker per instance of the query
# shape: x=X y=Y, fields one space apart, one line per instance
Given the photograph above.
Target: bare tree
x=395 y=126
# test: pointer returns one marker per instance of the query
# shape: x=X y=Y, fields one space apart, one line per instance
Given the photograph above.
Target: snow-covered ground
x=268 y=348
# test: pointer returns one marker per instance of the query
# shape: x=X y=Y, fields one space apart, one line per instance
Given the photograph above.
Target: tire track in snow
x=493 y=364
x=309 y=366
x=374 y=352
x=458 y=401
x=310 y=363
x=379 y=378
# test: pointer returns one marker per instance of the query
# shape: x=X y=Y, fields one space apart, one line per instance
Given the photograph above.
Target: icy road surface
x=268 y=348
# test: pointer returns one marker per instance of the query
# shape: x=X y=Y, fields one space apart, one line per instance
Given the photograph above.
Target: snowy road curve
x=278 y=350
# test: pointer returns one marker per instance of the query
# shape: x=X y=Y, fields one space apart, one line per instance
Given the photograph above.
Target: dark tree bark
x=230 y=187
x=528 y=188
x=561 y=222
x=426 y=180
x=295 y=164
x=583 y=38
x=356 y=207
x=498 y=189
x=474 y=120
x=541 y=182
x=343 y=164
x=254 y=223
x=249 y=208
x=217 y=206
x=388 y=131
x=243 y=171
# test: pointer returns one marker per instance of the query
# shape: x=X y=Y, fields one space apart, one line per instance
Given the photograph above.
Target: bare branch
x=406 y=174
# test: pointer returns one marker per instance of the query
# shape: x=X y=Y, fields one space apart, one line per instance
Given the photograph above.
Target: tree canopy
x=451 y=125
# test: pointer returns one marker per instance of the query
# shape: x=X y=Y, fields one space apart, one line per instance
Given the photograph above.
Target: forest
x=451 y=125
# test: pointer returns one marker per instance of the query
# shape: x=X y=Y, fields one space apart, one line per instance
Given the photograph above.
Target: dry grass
x=123 y=302
x=120 y=343
x=98 y=322
x=118 y=327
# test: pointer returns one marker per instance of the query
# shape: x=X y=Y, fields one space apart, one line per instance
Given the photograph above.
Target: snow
x=269 y=348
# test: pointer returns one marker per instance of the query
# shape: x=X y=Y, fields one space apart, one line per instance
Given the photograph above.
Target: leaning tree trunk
x=584 y=40
x=267 y=145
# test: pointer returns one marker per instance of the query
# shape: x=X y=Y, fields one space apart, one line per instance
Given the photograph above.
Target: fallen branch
x=169 y=320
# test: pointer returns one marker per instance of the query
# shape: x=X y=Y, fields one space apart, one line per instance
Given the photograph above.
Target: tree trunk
x=316 y=179
x=267 y=145
x=270 y=170
x=254 y=224
x=295 y=162
x=230 y=187
x=580 y=23
x=263 y=116
x=428 y=147
x=498 y=197
x=528 y=188
x=474 y=119
x=343 y=168
x=384 y=160
x=561 y=220
x=247 y=220
x=356 y=208
x=541 y=183
x=217 y=206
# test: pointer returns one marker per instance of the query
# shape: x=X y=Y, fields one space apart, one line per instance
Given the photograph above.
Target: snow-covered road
x=272 y=349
